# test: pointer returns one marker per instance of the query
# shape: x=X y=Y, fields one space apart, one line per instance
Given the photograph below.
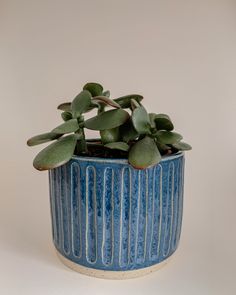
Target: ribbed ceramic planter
x=110 y=220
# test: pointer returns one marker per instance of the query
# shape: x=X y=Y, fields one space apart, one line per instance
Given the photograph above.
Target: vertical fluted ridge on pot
x=107 y=215
x=142 y=216
x=125 y=204
x=108 y=211
x=156 y=221
x=75 y=209
x=64 y=206
x=91 y=218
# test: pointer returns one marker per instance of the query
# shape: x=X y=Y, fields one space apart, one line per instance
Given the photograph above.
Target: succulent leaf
x=42 y=138
x=66 y=116
x=56 y=154
x=92 y=106
x=94 y=88
x=128 y=132
x=65 y=106
x=67 y=127
x=118 y=146
x=106 y=101
x=163 y=122
x=134 y=104
x=152 y=117
x=163 y=148
x=182 y=146
x=107 y=120
x=168 y=137
x=144 y=153
x=106 y=93
x=81 y=103
x=141 y=120
x=110 y=135
x=125 y=101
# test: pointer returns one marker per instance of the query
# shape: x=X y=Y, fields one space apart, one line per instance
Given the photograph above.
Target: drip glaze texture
x=107 y=215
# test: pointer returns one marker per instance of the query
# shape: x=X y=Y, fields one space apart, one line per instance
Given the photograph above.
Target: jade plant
x=126 y=129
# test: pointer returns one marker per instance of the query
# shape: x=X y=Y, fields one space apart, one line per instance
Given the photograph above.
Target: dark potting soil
x=96 y=149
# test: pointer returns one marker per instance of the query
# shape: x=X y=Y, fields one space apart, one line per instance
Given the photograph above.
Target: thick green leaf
x=106 y=100
x=163 y=148
x=168 y=137
x=182 y=146
x=94 y=88
x=134 y=104
x=144 y=153
x=66 y=116
x=67 y=127
x=66 y=107
x=56 y=154
x=92 y=106
x=163 y=122
x=118 y=146
x=125 y=101
x=106 y=93
x=152 y=117
x=42 y=138
x=81 y=103
x=101 y=108
x=110 y=135
x=141 y=120
x=107 y=120
x=128 y=132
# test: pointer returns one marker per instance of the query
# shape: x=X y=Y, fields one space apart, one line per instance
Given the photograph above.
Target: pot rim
x=123 y=161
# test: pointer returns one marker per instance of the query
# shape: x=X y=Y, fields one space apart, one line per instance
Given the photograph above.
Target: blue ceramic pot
x=111 y=220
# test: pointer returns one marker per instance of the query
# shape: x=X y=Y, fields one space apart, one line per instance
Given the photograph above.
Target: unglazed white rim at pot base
x=112 y=275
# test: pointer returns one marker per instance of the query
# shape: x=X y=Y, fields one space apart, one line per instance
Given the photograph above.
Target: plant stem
x=83 y=142
x=81 y=145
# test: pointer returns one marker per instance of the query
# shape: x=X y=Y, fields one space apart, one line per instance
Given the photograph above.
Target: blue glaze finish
x=108 y=216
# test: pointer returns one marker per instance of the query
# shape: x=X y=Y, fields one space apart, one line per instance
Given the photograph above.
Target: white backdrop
x=181 y=56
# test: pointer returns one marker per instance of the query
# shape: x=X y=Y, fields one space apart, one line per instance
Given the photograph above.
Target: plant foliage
x=126 y=129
